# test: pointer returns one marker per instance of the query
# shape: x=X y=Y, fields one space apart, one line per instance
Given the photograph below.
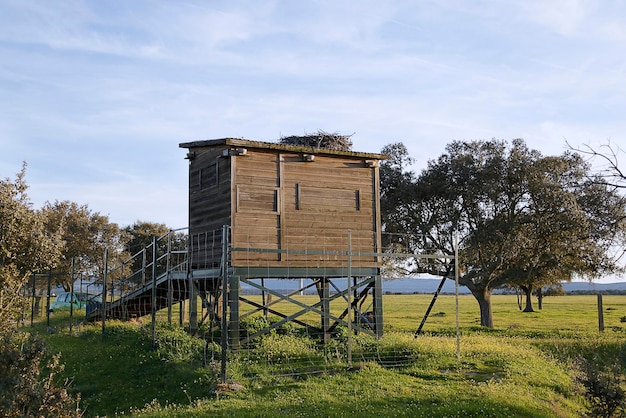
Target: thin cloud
x=97 y=95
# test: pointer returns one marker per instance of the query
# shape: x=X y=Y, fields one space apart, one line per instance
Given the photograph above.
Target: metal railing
x=161 y=261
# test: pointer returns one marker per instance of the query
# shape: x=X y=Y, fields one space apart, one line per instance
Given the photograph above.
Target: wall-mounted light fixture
x=371 y=163
x=308 y=157
x=190 y=155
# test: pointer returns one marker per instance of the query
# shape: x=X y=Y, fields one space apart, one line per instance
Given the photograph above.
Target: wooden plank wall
x=282 y=202
x=209 y=205
x=257 y=206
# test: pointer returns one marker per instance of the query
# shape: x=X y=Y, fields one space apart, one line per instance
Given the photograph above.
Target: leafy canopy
x=25 y=246
x=85 y=235
x=27 y=384
x=520 y=217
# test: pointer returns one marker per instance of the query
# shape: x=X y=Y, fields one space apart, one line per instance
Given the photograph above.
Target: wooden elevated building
x=270 y=210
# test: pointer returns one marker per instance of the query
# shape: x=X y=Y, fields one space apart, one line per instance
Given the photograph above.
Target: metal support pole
x=170 y=299
x=325 y=309
x=349 y=296
x=264 y=298
x=456 y=285
x=32 y=302
x=124 y=306
x=224 y=274
x=154 y=293
x=72 y=295
x=233 y=322
x=233 y=297
x=143 y=267
x=48 y=298
x=104 y=288
x=378 y=305
x=193 y=305
x=355 y=300
x=181 y=314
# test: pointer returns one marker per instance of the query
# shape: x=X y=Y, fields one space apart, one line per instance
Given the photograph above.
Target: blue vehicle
x=77 y=300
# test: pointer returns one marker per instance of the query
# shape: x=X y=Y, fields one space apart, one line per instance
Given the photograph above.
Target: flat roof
x=240 y=142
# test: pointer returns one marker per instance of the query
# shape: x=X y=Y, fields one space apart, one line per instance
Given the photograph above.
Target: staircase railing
x=141 y=271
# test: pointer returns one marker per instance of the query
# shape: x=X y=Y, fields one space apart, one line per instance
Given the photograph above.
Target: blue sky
x=96 y=95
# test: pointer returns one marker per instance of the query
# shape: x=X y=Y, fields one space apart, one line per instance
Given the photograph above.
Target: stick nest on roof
x=320 y=139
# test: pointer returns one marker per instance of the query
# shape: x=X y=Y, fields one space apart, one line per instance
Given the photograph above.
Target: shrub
x=251 y=325
x=603 y=387
x=287 y=347
x=172 y=343
x=25 y=389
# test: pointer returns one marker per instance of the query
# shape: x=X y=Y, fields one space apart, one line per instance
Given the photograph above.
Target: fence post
x=104 y=288
x=224 y=274
x=378 y=304
x=123 y=306
x=349 y=295
x=168 y=266
x=456 y=291
x=72 y=294
x=48 y=298
x=143 y=267
x=154 y=292
x=325 y=287
x=600 y=314
x=264 y=298
x=193 y=306
x=32 y=302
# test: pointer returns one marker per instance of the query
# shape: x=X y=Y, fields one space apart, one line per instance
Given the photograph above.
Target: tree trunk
x=483 y=297
x=539 y=299
x=528 y=292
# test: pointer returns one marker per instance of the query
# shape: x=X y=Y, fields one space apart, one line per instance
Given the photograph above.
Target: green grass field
x=525 y=367
x=559 y=313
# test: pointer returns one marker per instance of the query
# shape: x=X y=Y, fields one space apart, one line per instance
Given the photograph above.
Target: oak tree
x=28 y=383
x=25 y=246
x=140 y=236
x=86 y=235
x=521 y=219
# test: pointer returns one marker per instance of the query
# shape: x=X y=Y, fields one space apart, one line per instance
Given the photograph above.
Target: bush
x=251 y=325
x=172 y=343
x=28 y=387
x=288 y=347
x=603 y=387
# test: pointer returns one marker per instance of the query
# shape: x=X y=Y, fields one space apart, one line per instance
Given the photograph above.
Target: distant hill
x=429 y=285
x=594 y=287
x=418 y=285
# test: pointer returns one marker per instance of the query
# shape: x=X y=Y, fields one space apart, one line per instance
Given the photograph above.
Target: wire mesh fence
x=47 y=293
x=322 y=309
x=267 y=303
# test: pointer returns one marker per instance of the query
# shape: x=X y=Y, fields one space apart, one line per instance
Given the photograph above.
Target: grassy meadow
x=529 y=365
